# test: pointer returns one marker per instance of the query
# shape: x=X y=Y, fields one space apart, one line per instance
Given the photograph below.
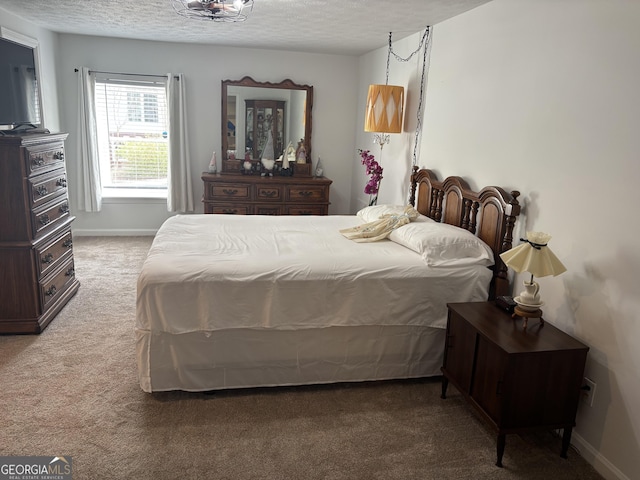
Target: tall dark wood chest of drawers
x=256 y=195
x=37 y=276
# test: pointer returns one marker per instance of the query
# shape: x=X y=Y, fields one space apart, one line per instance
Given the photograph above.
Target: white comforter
x=215 y=272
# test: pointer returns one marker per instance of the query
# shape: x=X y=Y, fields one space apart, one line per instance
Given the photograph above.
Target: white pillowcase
x=443 y=245
x=374 y=212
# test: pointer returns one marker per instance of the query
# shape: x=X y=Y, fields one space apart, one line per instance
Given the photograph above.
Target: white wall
x=542 y=96
x=332 y=76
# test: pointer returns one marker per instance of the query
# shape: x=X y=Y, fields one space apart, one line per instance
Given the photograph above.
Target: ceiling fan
x=214 y=10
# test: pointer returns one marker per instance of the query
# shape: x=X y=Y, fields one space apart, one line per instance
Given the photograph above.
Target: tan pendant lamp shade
x=385 y=105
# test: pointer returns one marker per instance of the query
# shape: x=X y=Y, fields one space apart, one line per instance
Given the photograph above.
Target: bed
x=228 y=302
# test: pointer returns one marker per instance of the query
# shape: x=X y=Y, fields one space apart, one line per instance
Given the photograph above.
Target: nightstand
x=518 y=379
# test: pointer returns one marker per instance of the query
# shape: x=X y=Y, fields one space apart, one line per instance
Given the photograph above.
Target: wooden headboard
x=490 y=214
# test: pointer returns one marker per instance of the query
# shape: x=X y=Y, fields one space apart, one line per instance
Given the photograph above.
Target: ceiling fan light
x=213 y=10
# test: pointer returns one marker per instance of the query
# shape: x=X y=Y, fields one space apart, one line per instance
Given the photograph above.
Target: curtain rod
x=132 y=74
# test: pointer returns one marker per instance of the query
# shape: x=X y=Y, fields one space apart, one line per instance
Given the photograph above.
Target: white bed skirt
x=245 y=358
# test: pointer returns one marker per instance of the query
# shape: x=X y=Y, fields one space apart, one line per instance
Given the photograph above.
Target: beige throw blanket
x=380 y=229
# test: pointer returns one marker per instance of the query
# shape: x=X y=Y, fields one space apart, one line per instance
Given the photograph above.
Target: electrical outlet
x=588 y=391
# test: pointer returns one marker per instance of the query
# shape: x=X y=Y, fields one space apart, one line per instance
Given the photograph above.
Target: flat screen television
x=19 y=95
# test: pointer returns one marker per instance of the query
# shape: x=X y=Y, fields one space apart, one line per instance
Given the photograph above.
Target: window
x=132 y=129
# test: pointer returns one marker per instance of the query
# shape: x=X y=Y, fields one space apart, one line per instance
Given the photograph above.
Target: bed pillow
x=374 y=212
x=443 y=245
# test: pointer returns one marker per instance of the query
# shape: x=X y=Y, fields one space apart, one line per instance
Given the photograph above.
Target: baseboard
x=82 y=232
x=603 y=466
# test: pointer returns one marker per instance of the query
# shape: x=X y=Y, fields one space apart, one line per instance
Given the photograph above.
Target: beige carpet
x=72 y=390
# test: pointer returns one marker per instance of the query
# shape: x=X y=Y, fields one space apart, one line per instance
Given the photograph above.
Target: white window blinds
x=131 y=117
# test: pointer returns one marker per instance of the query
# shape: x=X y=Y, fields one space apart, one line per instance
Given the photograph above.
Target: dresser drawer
x=222 y=191
x=267 y=193
x=45 y=217
x=268 y=210
x=55 y=284
x=306 y=193
x=307 y=210
x=42 y=158
x=48 y=256
x=43 y=188
x=228 y=209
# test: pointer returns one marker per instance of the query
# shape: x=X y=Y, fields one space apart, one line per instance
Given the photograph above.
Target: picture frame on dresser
x=37 y=269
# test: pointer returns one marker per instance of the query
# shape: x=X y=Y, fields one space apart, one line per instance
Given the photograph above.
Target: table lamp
x=535 y=257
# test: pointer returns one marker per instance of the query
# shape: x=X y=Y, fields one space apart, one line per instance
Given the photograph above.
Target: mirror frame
x=233 y=166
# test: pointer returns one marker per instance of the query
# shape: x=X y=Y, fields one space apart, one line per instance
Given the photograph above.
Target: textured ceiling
x=350 y=27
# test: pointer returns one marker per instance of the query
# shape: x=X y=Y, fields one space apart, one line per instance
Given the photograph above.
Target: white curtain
x=180 y=190
x=90 y=188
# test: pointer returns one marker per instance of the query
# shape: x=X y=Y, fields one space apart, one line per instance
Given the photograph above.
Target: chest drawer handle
x=68 y=243
x=62 y=182
x=58 y=155
x=305 y=194
x=270 y=193
x=231 y=211
x=64 y=208
x=51 y=292
x=44 y=219
x=70 y=271
x=228 y=191
x=48 y=258
x=38 y=161
x=41 y=191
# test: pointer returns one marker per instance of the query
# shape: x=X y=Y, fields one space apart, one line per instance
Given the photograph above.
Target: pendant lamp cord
x=424 y=42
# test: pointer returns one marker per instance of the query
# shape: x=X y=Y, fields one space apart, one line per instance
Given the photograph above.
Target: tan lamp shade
x=385 y=104
x=534 y=256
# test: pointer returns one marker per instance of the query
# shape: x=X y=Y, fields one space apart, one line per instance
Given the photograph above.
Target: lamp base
x=518 y=311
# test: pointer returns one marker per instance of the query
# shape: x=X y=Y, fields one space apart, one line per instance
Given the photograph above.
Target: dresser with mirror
x=262 y=121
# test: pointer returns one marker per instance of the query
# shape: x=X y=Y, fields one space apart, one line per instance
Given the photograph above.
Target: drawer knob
x=64 y=208
x=70 y=271
x=51 y=292
x=305 y=194
x=58 y=155
x=228 y=191
x=38 y=161
x=68 y=243
x=41 y=191
x=62 y=182
x=270 y=193
x=44 y=219
x=48 y=258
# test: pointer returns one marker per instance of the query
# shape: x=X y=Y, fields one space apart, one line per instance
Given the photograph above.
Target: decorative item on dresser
x=37 y=276
x=518 y=380
x=256 y=195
